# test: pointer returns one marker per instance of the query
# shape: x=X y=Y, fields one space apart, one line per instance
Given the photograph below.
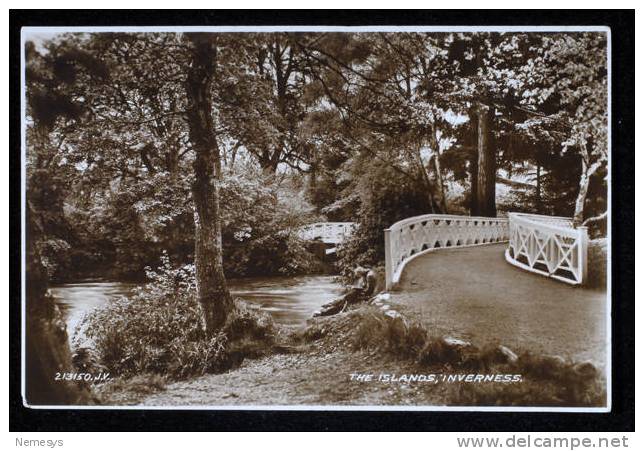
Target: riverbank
x=315 y=370
x=365 y=357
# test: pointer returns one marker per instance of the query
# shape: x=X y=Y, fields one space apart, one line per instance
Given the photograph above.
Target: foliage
x=333 y=118
x=397 y=337
x=598 y=263
x=159 y=330
x=125 y=228
x=260 y=228
x=386 y=197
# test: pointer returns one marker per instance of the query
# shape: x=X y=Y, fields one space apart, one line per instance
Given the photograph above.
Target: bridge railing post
x=583 y=254
x=389 y=269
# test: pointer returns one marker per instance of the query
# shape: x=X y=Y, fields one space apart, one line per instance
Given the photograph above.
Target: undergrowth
x=158 y=330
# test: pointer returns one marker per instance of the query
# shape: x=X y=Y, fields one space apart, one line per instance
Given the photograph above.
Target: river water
x=290 y=300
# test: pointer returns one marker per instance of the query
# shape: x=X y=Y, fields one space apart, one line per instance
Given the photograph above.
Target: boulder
x=393 y=314
x=383 y=297
x=353 y=296
x=585 y=369
x=455 y=342
x=507 y=355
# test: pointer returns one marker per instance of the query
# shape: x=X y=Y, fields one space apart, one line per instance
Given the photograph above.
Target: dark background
x=622 y=416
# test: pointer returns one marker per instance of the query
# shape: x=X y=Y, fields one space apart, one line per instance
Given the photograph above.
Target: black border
x=622 y=416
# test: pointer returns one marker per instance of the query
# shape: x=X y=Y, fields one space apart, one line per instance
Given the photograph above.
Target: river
x=290 y=300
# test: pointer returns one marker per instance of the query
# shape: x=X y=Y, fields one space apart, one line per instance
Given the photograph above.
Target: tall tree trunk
x=587 y=172
x=486 y=180
x=538 y=188
x=437 y=169
x=474 y=175
x=584 y=181
x=212 y=291
x=441 y=184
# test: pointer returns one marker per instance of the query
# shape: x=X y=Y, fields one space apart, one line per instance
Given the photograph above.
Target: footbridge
x=544 y=245
x=517 y=280
x=331 y=233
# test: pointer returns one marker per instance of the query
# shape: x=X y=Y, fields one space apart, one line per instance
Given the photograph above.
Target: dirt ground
x=474 y=294
x=311 y=379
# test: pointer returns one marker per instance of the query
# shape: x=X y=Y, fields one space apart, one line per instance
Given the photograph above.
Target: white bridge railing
x=549 y=246
x=411 y=237
x=327 y=232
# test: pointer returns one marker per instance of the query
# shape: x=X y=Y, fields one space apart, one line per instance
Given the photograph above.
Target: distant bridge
x=332 y=233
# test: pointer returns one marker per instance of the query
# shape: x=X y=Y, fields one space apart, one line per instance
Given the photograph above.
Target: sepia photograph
x=316 y=218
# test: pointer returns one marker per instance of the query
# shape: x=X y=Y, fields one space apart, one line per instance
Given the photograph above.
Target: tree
x=381 y=103
x=212 y=292
x=566 y=83
x=265 y=105
x=126 y=165
x=50 y=102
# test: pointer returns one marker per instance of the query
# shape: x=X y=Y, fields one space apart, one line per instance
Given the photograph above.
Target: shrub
x=386 y=197
x=530 y=393
x=159 y=330
x=396 y=336
x=250 y=331
x=597 y=263
x=260 y=228
x=547 y=381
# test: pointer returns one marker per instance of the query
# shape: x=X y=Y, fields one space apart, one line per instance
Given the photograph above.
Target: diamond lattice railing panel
x=548 y=246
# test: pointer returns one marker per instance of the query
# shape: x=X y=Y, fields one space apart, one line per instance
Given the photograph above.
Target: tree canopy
x=127 y=130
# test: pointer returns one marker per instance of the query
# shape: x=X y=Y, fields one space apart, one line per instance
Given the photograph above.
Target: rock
x=456 y=342
x=393 y=314
x=585 y=369
x=384 y=307
x=383 y=297
x=556 y=359
x=353 y=296
x=549 y=365
x=330 y=309
x=507 y=354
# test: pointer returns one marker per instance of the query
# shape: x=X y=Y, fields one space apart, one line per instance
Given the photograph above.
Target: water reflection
x=291 y=300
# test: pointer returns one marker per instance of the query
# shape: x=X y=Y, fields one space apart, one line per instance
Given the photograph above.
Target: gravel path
x=474 y=294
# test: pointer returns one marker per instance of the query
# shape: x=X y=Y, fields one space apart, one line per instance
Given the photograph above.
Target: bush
x=528 y=393
x=260 y=228
x=597 y=263
x=159 y=330
x=396 y=336
x=385 y=198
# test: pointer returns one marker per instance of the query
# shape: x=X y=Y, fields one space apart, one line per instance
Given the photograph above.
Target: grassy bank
x=329 y=363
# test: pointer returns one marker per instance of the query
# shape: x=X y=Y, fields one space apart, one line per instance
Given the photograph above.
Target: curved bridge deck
x=474 y=294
